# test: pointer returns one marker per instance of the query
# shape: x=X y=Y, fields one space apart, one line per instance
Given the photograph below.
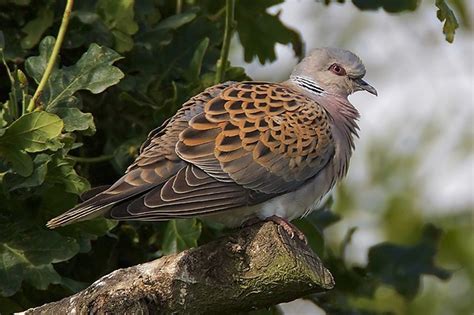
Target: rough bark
x=253 y=268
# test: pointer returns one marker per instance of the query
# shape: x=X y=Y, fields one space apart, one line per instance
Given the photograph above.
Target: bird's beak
x=364 y=86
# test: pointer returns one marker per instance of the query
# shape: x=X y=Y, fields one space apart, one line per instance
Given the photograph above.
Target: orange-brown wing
x=250 y=143
x=155 y=165
x=263 y=136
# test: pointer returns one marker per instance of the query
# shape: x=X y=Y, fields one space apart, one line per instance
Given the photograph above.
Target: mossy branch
x=253 y=268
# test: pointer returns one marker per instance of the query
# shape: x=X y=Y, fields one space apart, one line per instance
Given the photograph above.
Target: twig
x=96 y=159
x=229 y=28
x=54 y=55
x=9 y=73
x=12 y=107
x=217 y=15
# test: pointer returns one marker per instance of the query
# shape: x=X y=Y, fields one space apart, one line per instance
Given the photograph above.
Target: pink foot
x=291 y=229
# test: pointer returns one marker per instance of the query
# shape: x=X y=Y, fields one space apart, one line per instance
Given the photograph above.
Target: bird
x=243 y=151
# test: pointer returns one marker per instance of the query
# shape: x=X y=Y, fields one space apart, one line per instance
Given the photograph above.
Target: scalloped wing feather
x=262 y=136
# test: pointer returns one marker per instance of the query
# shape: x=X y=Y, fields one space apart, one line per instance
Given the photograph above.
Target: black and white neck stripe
x=307 y=84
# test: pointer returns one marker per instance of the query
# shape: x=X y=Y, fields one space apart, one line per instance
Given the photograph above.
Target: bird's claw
x=289 y=228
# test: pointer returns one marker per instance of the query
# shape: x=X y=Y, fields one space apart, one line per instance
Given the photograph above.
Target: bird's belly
x=290 y=206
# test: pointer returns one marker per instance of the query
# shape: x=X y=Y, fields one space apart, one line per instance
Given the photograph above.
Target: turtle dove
x=243 y=150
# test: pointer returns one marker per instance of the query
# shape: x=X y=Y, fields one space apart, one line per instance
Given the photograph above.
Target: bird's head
x=334 y=70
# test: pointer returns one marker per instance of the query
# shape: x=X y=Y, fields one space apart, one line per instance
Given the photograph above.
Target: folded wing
x=231 y=146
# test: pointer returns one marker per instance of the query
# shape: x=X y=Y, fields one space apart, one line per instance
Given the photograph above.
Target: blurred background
x=414 y=161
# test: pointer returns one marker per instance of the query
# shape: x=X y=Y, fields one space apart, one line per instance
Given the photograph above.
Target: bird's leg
x=290 y=228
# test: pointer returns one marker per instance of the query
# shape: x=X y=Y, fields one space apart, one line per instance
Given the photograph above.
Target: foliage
x=181 y=234
x=445 y=14
x=389 y=264
x=124 y=67
x=36 y=167
x=259 y=31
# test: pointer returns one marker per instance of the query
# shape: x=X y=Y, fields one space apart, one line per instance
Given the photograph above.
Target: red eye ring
x=337 y=69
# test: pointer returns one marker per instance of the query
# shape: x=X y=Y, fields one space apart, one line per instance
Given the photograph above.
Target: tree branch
x=255 y=267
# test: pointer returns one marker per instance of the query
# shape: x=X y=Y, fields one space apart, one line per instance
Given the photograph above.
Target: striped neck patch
x=307 y=84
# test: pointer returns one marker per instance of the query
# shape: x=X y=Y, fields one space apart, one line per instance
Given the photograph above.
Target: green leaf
x=152 y=76
x=73 y=285
x=61 y=171
x=118 y=15
x=42 y=276
x=176 y=21
x=402 y=266
x=314 y=224
x=26 y=254
x=38 y=246
x=38 y=175
x=3 y=120
x=36 y=66
x=313 y=235
x=87 y=231
x=93 y=72
x=445 y=14
x=235 y=74
x=180 y=235
x=75 y=120
x=260 y=31
x=35 y=28
x=33 y=132
x=389 y=6
x=463 y=11
x=196 y=62
x=11 y=272
x=125 y=152
x=55 y=201
x=20 y=161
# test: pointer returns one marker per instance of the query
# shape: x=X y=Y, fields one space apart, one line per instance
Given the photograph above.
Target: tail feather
x=77 y=214
x=135 y=182
x=96 y=206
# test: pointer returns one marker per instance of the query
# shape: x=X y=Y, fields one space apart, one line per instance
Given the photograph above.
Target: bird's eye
x=337 y=69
